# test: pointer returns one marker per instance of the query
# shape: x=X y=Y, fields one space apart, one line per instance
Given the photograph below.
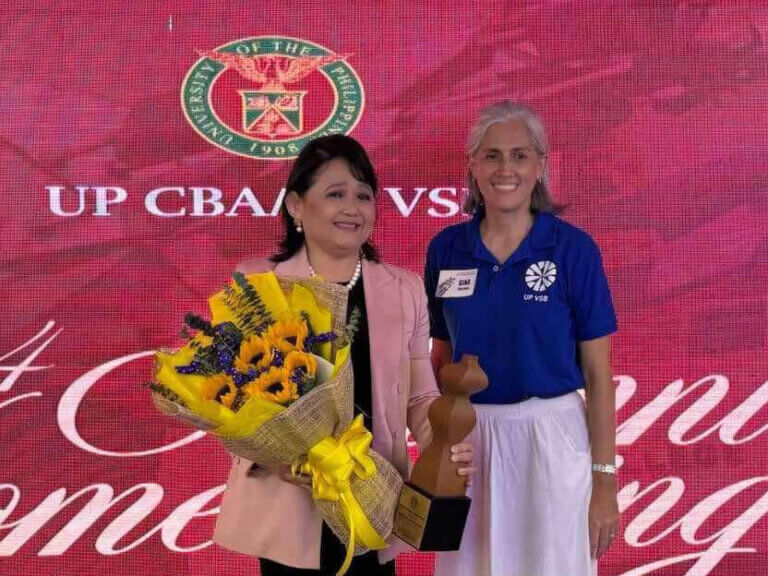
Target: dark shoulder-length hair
x=312 y=158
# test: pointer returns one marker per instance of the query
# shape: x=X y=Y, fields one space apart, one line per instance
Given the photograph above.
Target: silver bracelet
x=604 y=468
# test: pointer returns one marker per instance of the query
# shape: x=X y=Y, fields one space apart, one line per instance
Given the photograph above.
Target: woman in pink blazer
x=329 y=213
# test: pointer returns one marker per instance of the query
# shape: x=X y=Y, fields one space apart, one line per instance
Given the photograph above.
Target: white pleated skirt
x=530 y=495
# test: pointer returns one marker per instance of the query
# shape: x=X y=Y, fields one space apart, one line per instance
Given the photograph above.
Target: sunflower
x=274 y=385
x=255 y=352
x=219 y=387
x=288 y=335
x=296 y=360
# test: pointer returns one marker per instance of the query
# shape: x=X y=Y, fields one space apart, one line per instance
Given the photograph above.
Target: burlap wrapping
x=327 y=410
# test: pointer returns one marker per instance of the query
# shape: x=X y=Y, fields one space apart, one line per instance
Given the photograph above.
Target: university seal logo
x=266 y=97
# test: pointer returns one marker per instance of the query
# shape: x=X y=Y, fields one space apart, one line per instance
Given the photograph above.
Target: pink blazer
x=261 y=515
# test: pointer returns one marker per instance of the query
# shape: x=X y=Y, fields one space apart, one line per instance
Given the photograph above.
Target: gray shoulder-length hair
x=504 y=111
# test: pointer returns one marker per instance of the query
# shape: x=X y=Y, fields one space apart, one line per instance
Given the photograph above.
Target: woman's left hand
x=603 y=514
x=464 y=453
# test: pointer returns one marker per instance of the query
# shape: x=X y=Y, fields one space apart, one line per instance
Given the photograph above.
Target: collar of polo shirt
x=542 y=235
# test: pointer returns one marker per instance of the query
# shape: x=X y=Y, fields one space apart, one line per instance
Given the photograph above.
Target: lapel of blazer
x=384 y=310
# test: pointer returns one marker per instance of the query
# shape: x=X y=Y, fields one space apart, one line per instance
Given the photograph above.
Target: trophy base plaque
x=430 y=523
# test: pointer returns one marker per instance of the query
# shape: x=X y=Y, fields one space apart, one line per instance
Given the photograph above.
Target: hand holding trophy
x=433 y=506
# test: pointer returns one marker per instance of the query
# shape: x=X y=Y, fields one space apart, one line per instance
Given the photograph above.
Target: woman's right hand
x=464 y=453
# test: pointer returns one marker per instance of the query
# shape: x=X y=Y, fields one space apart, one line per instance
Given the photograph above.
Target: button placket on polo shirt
x=516 y=266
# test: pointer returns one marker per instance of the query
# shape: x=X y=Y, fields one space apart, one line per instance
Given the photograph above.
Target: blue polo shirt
x=525 y=317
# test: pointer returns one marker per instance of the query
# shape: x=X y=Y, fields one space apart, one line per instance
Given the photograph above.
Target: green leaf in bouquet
x=252 y=297
x=352 y=327
x=199 y=323
x=305 y=316
x=247 y=307
x=166 y=393
x=248 y=322
x=306 y=383
x=206 y=360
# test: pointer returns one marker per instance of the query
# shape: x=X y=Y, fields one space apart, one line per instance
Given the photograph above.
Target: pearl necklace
x=355 y=277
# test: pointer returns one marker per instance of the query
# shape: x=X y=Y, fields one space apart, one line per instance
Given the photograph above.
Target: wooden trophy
x=433 y=506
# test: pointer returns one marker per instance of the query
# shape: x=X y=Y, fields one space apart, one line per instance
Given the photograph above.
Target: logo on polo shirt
x=541 y=275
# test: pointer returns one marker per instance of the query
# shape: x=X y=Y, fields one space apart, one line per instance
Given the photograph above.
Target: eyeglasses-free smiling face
x=506 y=167
x=337 y=212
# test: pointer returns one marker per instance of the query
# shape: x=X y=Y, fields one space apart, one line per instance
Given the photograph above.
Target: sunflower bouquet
x=270 y=375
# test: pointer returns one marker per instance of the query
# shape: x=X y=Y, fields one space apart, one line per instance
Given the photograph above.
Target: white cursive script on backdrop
x=700 y=402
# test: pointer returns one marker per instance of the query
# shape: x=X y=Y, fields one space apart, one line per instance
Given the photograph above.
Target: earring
x=297 y=223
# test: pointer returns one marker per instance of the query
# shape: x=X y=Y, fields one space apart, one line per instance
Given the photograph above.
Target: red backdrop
x=659 y=133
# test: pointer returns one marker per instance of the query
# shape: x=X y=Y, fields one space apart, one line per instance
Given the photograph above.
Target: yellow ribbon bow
x=331 y=463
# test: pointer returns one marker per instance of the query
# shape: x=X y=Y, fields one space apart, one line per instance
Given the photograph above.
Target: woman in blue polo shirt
x=526 y=293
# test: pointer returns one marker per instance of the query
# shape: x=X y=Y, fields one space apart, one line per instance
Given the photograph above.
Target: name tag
x=456 y=283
